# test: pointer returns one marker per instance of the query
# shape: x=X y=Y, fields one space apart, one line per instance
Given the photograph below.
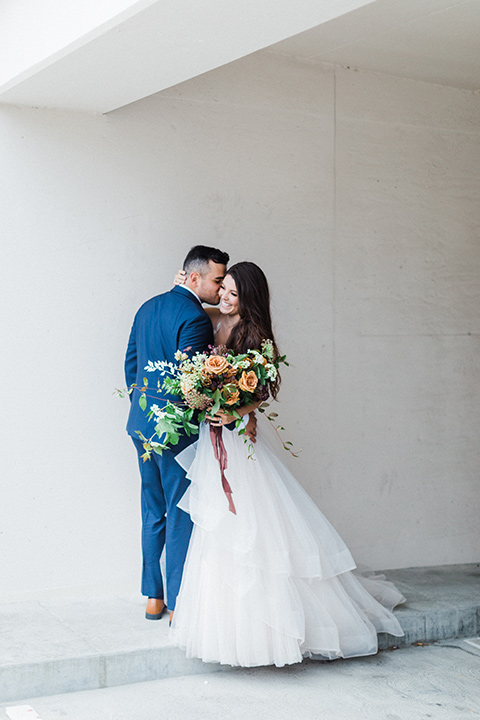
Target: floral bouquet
x=205 y=384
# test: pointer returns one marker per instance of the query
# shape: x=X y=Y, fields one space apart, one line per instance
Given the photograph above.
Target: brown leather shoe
x=155 y=608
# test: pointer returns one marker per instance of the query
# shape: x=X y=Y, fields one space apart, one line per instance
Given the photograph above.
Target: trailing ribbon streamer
x=221 y=457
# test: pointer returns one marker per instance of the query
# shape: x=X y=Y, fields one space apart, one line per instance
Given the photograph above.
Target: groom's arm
x=131 y=358
x=196 y=335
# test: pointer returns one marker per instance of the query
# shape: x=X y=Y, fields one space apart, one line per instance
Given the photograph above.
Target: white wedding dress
x=274 y=583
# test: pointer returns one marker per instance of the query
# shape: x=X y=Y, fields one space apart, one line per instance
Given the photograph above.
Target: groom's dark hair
x=199 y=256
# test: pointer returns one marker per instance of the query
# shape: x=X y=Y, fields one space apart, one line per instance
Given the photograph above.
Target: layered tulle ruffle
x=273 y=583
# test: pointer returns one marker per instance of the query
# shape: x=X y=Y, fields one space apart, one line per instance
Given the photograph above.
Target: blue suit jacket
x=164 y=324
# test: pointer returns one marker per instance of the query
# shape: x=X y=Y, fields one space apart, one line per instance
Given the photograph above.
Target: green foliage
x=202 y=389
x=174 y=421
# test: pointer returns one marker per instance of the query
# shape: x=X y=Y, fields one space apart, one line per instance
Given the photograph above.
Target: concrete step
x=57 y=646
x=443 y=602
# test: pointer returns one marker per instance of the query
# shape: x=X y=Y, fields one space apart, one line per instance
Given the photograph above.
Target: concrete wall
x=357 y=194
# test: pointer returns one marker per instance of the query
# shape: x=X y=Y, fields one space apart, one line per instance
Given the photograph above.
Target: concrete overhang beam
x=150 y=46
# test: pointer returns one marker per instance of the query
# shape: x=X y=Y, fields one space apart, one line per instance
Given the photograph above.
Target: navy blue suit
x=164 y=324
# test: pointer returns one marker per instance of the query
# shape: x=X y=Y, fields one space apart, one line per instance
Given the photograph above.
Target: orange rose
x=230 y=393
x=216 y=364
x=248 y=381
x=233 y=398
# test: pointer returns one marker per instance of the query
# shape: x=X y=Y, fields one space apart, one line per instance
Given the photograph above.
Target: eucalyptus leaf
x=172 y=438
x=164 y=425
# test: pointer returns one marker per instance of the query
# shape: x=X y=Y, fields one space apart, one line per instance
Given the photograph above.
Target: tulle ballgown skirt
x=274 y=583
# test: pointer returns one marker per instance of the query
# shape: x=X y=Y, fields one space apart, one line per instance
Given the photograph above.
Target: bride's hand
x=180 y=278
x=221 y=418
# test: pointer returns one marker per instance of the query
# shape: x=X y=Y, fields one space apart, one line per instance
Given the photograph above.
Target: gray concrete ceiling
x=432 y=40
x=153 y=45
x=164 y=44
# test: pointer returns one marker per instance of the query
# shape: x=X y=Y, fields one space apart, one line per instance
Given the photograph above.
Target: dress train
x=274 y=583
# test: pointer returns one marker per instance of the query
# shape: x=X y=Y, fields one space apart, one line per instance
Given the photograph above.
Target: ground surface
x=439 y=681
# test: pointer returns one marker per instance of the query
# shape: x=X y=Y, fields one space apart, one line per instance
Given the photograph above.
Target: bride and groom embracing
x=272 y=583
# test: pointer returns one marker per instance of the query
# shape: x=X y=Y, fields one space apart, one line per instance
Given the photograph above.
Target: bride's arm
x=180 y=278
x=221 y=418
x=251 y=427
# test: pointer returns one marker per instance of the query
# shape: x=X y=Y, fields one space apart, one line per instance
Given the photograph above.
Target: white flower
x=162 y=366
x=258 y=357
x=159 y=414
x=187 y=383
x=271 y=371
x=197 y=361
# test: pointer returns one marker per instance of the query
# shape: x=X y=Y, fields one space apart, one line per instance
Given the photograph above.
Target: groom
x=164 y=324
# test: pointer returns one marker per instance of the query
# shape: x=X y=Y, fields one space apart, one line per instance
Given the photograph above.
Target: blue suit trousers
x=163 y=523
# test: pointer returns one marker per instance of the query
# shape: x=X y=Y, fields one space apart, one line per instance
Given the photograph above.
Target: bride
x=273 y=583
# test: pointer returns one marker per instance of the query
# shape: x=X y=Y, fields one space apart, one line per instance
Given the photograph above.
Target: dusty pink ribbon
x=221 y=457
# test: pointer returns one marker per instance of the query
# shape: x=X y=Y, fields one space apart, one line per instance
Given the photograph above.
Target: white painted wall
x=357 y=194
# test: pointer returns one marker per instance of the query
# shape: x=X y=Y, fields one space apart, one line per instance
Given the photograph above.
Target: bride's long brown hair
x=255 y=322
